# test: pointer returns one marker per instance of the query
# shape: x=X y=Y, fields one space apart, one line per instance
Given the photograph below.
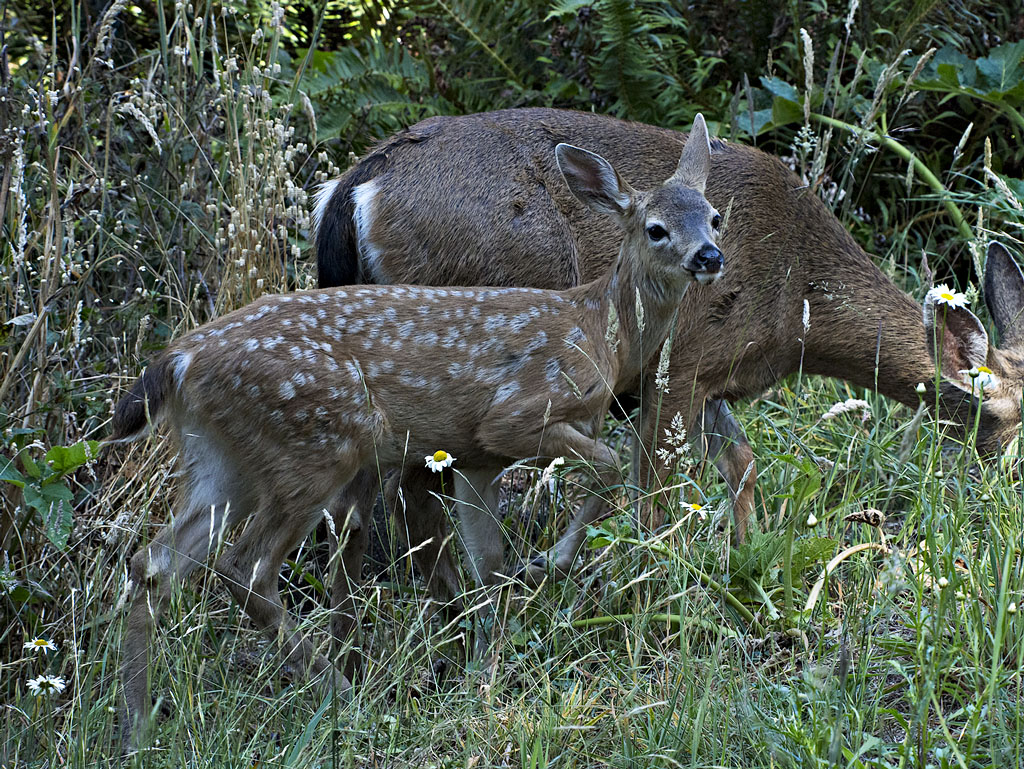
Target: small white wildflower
x=943 y=294
x=812 y=520
x=439 y=460
x=807 y=316
x=46 y=685
x=920 y=389
x=1011 y=608
x=980 y=375
x=943 y=582
x=41 y=644
x=694 y=508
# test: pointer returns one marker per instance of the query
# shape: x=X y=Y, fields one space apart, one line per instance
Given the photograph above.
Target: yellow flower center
x=947 y=296
x=440 y=456
x=984 y=369
x=695 y=506
x=38 y=642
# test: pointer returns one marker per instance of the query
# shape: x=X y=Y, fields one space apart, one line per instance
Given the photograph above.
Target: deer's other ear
x=594 y=181
x=695 y=162
x=955 y=337
x=1004 y=295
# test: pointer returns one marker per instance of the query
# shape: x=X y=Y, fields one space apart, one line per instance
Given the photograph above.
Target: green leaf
x=53 y=503
x=563 y=7
x=1003 y=68
x=66 y=459
x=10 y=473
x=780 y=89
x=31 y=467
x=810 y=551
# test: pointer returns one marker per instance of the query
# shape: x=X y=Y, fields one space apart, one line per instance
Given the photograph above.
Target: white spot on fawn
x=180 y=367
x=506 y=391
x=286 y=390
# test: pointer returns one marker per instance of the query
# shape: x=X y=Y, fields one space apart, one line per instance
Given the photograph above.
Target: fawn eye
x=656 y=232
x=716 y=221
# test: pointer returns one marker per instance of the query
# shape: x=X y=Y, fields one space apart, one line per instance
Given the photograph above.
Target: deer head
x=976 y=374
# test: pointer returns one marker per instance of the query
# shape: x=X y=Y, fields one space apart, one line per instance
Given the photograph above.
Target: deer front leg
x=727 y=446
x=716 y=435
x=563 y=440
x=354 y=506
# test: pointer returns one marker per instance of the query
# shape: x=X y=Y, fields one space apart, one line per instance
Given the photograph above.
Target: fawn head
x=976 y=374
x=672 y=227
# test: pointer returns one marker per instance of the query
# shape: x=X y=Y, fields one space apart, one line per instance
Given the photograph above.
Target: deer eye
x=716 y=221
x=656 y=232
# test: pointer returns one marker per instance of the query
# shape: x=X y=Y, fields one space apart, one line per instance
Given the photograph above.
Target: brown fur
x=477 y=199
x=282 y=408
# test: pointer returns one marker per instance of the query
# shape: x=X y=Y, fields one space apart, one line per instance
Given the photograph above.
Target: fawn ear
x=695 y=162
x=1004 y=295
x=955 y=336
x=594 y=181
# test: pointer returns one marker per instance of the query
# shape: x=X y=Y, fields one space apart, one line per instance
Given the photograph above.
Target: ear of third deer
x=477 y=199
x=332 y=383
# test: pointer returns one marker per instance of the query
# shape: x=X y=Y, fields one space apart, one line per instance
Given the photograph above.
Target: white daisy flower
x=46 y=685
x=980 y=375
x=41 y=644
x=697 y=509
x=943 y=294
x=812 y=520
x=439 y=460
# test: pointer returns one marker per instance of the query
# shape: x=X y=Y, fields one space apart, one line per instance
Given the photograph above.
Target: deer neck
x=637 y=309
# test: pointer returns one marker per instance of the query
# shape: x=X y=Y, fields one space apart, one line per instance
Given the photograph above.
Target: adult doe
x=277 y=407
x=429 y=206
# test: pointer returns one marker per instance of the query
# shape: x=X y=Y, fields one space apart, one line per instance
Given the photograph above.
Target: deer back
x=430 y=206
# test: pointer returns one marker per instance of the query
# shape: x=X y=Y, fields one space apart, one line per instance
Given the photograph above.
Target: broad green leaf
x=810 y=551
x=780 y=88
x=1003 y=68
x=53 y=502
x=10 y=473
x=65 y=459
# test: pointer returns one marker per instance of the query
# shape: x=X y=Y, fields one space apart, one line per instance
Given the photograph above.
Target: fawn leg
x=483 y=539
x=204 y=515
x=423 y=527
x=562 y=439
x=351 y=513
x=251 y=568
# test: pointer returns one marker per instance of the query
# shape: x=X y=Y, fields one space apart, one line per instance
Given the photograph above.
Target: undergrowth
x=158 y=162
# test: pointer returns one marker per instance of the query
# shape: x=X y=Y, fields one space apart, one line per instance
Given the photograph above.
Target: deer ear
x=955 y=337
x=594 y=181
x=695 y=162
x=1004 y=295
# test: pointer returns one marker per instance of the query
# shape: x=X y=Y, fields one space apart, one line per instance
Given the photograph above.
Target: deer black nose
x=708 y=259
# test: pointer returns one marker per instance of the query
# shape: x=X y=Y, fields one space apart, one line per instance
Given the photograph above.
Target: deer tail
x=141 y=407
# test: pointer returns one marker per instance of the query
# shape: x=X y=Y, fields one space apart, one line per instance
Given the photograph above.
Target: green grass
x=907 y=659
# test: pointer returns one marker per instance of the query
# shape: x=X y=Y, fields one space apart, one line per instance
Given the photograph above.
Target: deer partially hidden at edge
x=430 y=206
x=278 y=406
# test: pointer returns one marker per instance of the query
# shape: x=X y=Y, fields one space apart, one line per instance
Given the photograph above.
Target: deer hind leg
x=564 y=440
x=251 y=569
x=413 y=497
x=213 y=501
x=727 y=446
x=482 y=537
x=351 y=512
